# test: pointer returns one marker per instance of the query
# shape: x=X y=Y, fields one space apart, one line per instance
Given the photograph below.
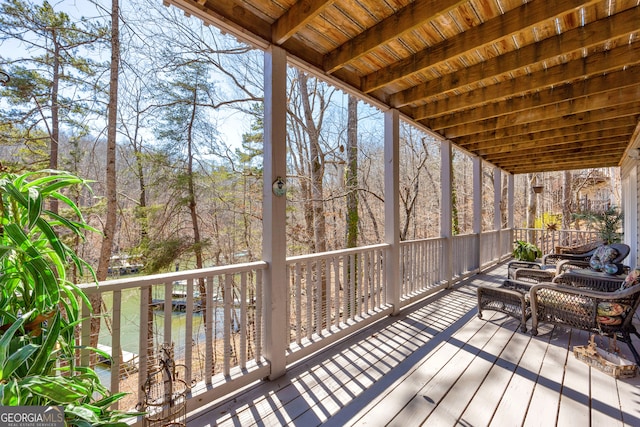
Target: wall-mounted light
x=634 y=153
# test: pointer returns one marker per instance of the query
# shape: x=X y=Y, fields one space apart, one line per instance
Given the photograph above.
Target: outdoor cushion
x=606 y=308
x=610 y=320
x=603 y=255
x=632 y=279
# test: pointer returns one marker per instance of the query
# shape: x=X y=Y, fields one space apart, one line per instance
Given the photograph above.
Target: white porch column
x=497 y=199
x=477 y=206
x=511 y=200
x=274 y=247
x=510 y=207
x=446 y=222
x=497 y=208
x=392 y=206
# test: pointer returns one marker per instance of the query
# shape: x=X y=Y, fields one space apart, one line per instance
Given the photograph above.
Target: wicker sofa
x=553 y=265
x=598 y=306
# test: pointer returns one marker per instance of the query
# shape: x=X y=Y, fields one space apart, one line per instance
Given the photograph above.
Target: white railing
x=213 y=318
x=506 y=242
x=549 y=240
x=490 y=250
x=421 y=263
x=332 y=293
x=465 y=250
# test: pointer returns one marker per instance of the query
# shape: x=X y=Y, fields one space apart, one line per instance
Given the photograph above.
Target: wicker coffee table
x=511 y=298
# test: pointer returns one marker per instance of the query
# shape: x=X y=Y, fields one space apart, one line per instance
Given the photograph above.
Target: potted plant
x=525 y=251
x=40 y=307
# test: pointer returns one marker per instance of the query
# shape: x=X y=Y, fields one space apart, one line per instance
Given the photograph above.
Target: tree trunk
x=197 y=240
x=352 y=173
x=567 y=200
x=532 y=206
x=317 y=202
x=504 y=199
x=55 y=112
x=110 y=222
x=455 y=220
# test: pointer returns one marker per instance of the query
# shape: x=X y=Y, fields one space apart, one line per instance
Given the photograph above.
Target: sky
x=231 y=124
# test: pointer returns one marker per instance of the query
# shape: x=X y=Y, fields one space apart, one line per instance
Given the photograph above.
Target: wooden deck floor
x=438 y=364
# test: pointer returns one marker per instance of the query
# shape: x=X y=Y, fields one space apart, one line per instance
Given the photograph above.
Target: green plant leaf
x=34 y=208
x=10 y=393
x=56 y=389
x=5 y=340
x=17 y=359
x=40 y=364
x=84 y=412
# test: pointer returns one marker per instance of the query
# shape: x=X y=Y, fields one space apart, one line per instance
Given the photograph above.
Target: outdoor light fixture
x=634 y=153
x=4 y=78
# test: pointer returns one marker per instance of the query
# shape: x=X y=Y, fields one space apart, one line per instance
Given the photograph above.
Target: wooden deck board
x=575 y=387
x=438 y=364
x=482 y=406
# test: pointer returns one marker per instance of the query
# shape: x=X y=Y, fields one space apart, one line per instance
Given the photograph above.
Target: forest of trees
x=165 y=115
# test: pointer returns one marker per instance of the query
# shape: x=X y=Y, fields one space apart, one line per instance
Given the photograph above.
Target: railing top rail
x=408 y=242
x=348 y=251
x=145 y=281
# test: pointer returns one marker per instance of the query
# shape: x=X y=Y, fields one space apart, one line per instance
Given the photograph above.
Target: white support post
x=392 y=206
x=276 y=326
x=497 y=199
x=511 y=200
x=446 y=222
x=477 y=205
x=497 y=208
x=510 y=204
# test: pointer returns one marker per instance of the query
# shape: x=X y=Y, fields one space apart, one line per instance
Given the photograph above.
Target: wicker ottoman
x=511 y=298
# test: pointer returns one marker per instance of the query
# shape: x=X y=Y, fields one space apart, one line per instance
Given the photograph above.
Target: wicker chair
x=553 y=265
x=562 y=303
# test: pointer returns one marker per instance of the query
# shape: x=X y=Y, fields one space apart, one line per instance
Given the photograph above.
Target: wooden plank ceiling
x=528 y=86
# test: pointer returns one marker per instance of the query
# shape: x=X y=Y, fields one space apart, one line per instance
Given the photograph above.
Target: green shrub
x=39 y=307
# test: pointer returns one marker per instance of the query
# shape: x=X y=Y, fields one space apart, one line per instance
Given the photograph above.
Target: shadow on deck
x=438 y=364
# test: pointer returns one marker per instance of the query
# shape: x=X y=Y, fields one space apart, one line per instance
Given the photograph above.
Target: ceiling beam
x=402 y=22
x=592 y=34
x=551 y=165
x=558 y=83
x=501 y=131
x=474 y=38
x=296 y=17
x=502 y=111
x=616 y=125
x=488 y=149
x=227 y=16
x=560 y=148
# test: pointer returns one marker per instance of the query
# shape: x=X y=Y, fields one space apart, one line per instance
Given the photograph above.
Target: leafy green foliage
x=525 y=251
x=608 y=224
x=39 y=307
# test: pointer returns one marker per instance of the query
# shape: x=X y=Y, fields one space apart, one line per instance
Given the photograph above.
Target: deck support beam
x=477 y=206
x=510 y=207
x=497 y=208
x=446 y=222
x=274 y=245
x=392 y=207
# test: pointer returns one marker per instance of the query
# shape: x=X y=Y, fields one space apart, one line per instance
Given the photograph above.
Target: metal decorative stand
x=165 y=392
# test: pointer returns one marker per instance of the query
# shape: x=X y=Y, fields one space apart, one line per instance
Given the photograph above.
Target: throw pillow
x=611 y=309
x=602 y=256
x=632 y=279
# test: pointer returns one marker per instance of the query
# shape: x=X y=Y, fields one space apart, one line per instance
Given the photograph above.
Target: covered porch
x=436 y=363
x=521 y=87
